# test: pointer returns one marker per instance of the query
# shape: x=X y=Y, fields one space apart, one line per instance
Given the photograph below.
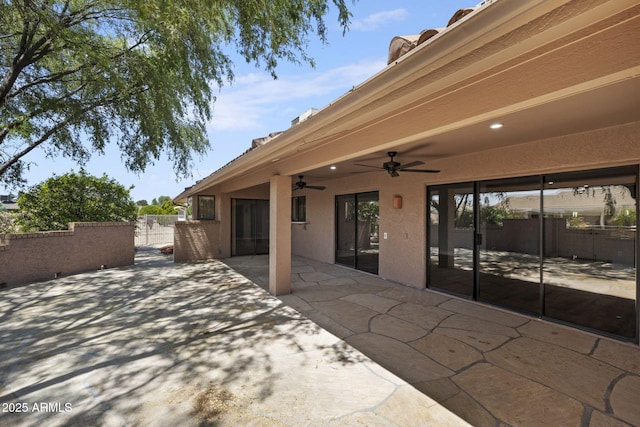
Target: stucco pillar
x=280 y=235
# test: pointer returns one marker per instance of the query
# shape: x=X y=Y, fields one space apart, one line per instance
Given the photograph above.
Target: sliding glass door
x=508 y=249
x=451 y=238
x=561 y=246
x=357 y=240
x=249 y=227
x=590 y=249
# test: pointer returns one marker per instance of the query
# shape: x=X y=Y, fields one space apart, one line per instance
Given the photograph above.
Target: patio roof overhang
x=542 y=67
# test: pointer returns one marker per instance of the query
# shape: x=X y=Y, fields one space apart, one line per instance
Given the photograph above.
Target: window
x=206 y=207
x=299 y=209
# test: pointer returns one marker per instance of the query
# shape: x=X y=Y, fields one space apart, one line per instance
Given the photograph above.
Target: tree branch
x=63 y=123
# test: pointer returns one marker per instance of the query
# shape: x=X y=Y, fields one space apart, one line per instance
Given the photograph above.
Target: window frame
x=298 y=204
x=202 y=207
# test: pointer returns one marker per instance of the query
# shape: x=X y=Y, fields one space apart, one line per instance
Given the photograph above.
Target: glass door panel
x=249 y=227
x=508 y=243
x=368 y=243
x=590 y=249
x=262 y=227
x=346 y=230
x=451 y=238
x=357 y=240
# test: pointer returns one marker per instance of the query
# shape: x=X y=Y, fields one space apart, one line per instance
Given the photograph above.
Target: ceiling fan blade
x=410 y=165
x=421 y=170
x=295 y=188
x=369 y=166
x=316 y=187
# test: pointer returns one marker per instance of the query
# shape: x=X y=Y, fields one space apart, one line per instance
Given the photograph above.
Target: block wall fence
x=198 y=240
x=86 y=246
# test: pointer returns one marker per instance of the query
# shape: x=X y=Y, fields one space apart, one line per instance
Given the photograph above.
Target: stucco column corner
x=280 y=235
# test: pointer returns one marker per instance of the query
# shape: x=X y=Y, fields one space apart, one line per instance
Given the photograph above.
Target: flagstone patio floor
x=197 y=344
x=165 y=344
x=489 y=366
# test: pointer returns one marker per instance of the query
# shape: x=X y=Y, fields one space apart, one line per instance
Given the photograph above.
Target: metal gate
x=154 y=230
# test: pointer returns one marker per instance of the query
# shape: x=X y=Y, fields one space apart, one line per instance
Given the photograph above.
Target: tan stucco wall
x=197 y=240
x=403 y=254
x=200 y=240
x=28 y=257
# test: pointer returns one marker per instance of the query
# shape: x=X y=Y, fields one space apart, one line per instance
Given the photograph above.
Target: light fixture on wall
x=397 y=202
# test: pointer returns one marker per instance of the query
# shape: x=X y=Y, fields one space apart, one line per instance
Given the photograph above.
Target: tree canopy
x=75 y=74
x=162 y=206
x=74 y=197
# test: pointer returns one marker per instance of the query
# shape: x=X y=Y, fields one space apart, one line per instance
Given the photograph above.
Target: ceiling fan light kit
x=301 y=184
x=392 y=167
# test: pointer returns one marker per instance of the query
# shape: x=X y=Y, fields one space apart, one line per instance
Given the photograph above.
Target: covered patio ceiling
x=603 y=107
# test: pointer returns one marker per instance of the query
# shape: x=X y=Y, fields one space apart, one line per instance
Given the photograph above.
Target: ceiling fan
x=393 y=167
x=301 y=184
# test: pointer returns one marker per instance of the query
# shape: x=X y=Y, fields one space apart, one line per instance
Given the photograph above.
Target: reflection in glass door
x=249 y=227
x=508 y=243
x=562 y=246
x=451 y=238
x=590 y=249
x=357 y=240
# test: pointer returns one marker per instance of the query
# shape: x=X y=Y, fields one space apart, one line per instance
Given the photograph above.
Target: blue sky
x=255 y=105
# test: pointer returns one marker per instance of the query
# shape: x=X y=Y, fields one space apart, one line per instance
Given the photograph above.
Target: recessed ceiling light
x=333 y=168
x=496 y=125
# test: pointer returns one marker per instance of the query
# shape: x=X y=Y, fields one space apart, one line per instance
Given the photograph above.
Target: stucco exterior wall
x=28 y=257
x=405 y=227
x=315 y=238
x=403 y=253
x=198 y=240
x=211 y=239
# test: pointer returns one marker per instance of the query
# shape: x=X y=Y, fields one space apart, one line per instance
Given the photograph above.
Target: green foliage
x=76 y=74
x=489 y=214
x=625 y=218
x=74 y=197
x=142 y=202
x=163 y=199
x=160 y=206
x=493 y=215
x=464 y=219
x=577 y=222
x=7 y=222
x=168 y=208
x=149 y=210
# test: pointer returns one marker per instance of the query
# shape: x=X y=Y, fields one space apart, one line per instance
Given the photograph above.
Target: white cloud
x=254 y=98
x=376 y=20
